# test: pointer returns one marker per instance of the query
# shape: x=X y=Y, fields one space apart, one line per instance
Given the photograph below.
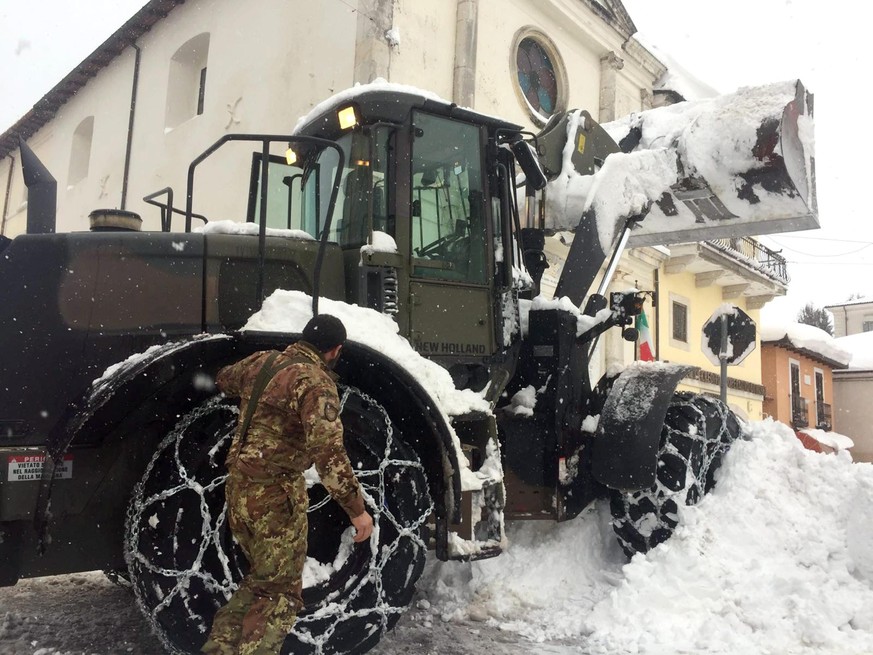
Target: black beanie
x=324 y=332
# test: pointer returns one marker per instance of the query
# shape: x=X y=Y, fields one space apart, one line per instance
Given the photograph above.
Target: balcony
x=742 y=267
x=799 y=412
x=756 y=254
x=824 y=416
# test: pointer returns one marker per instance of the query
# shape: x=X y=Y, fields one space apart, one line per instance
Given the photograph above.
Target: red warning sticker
x=29 y=467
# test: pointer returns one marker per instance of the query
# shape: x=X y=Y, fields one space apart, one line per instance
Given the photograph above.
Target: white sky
x=726 y=44
x=745 y=42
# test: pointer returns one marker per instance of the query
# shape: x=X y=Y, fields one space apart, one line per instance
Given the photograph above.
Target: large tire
x=697 y=431
x=184 y=563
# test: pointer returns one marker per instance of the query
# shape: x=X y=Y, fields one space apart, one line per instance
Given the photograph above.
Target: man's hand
x=363 y=524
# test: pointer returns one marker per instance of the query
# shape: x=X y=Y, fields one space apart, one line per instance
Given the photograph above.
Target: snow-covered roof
x=860 y=348
x=810 y=340
x=676 y=78
x=854 y=301
x=389 y=101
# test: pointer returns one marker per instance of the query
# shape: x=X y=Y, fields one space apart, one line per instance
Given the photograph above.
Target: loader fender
x=124 y=386
x=151 y=384
x=625 y=448
x=168 y=379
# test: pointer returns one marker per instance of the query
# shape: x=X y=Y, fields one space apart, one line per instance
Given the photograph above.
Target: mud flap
x=625 y=448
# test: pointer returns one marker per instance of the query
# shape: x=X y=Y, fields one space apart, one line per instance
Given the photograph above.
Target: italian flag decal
x=647 y=353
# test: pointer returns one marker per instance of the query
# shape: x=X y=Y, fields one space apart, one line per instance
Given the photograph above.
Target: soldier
x=290 y=425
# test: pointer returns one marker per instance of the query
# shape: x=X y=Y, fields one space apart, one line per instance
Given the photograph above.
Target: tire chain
x=212 y=530
x=651 y=526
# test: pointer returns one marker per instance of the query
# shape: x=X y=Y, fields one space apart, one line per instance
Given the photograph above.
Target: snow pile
x=860 y=348
x=541 y=302
x=233 y=227
x=523 y=402
x=381 y=242
x=623 y=187
x=777 y=559
x=542 y=586
x=807 y=337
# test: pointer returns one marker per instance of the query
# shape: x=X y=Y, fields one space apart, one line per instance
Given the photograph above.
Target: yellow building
x=692 y=283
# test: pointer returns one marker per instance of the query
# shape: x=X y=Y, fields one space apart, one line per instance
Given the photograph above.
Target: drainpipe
x=7 y=195
x=133 y=91
x=466 y=30
x=656 y=307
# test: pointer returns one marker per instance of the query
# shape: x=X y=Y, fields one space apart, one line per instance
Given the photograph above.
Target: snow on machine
x=467 y=397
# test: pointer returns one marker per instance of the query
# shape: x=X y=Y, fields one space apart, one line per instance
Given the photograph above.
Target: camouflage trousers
x=269 y=522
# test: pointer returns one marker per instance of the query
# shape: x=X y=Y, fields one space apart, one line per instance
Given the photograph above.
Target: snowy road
x=85 y=614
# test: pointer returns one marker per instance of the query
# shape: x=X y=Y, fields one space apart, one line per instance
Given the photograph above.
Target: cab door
x=451 y=276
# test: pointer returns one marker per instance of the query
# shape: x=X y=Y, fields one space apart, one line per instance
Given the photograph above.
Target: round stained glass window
x=536 y=77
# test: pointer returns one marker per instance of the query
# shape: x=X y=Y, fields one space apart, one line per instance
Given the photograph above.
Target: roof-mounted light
x=290 y=157
x=347 y=117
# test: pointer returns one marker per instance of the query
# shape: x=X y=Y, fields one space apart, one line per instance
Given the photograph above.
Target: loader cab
x=423 y=216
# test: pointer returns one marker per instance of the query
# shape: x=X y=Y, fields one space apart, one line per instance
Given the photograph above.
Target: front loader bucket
x=625 y=448
x=746 y=166
x=737 y=165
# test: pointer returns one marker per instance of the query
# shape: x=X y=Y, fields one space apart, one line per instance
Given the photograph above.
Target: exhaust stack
x=42 y=192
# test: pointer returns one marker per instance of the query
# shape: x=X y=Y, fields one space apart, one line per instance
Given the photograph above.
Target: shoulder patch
x=330 y=411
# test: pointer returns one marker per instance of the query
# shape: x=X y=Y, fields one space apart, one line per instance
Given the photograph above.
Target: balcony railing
x=824 y=416
x=757 y=255
x=799 y=412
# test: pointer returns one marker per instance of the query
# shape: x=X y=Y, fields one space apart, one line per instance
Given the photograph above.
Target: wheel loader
x=468 y=401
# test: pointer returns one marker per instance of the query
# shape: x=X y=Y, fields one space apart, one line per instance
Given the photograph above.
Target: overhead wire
x=791 y=236
x=811 y=254
x=794 y=261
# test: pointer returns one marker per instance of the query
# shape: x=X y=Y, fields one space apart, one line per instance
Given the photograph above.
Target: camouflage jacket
x=295 y=425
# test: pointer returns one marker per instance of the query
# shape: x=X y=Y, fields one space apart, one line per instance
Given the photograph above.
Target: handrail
x=799 y=411
x=168 y=210
x=265 y=140
x=823 y=415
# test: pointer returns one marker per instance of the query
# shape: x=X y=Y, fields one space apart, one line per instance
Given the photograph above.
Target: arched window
x=540 y=80
x=186 y=89
x=80 y=152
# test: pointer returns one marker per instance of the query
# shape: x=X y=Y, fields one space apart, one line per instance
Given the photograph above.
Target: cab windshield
x=298 y=199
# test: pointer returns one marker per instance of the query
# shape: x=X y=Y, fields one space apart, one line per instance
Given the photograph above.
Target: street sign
x=728 y=338
x=740 y=335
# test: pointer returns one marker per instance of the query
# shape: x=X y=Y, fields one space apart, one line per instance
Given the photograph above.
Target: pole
x=723 y=357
